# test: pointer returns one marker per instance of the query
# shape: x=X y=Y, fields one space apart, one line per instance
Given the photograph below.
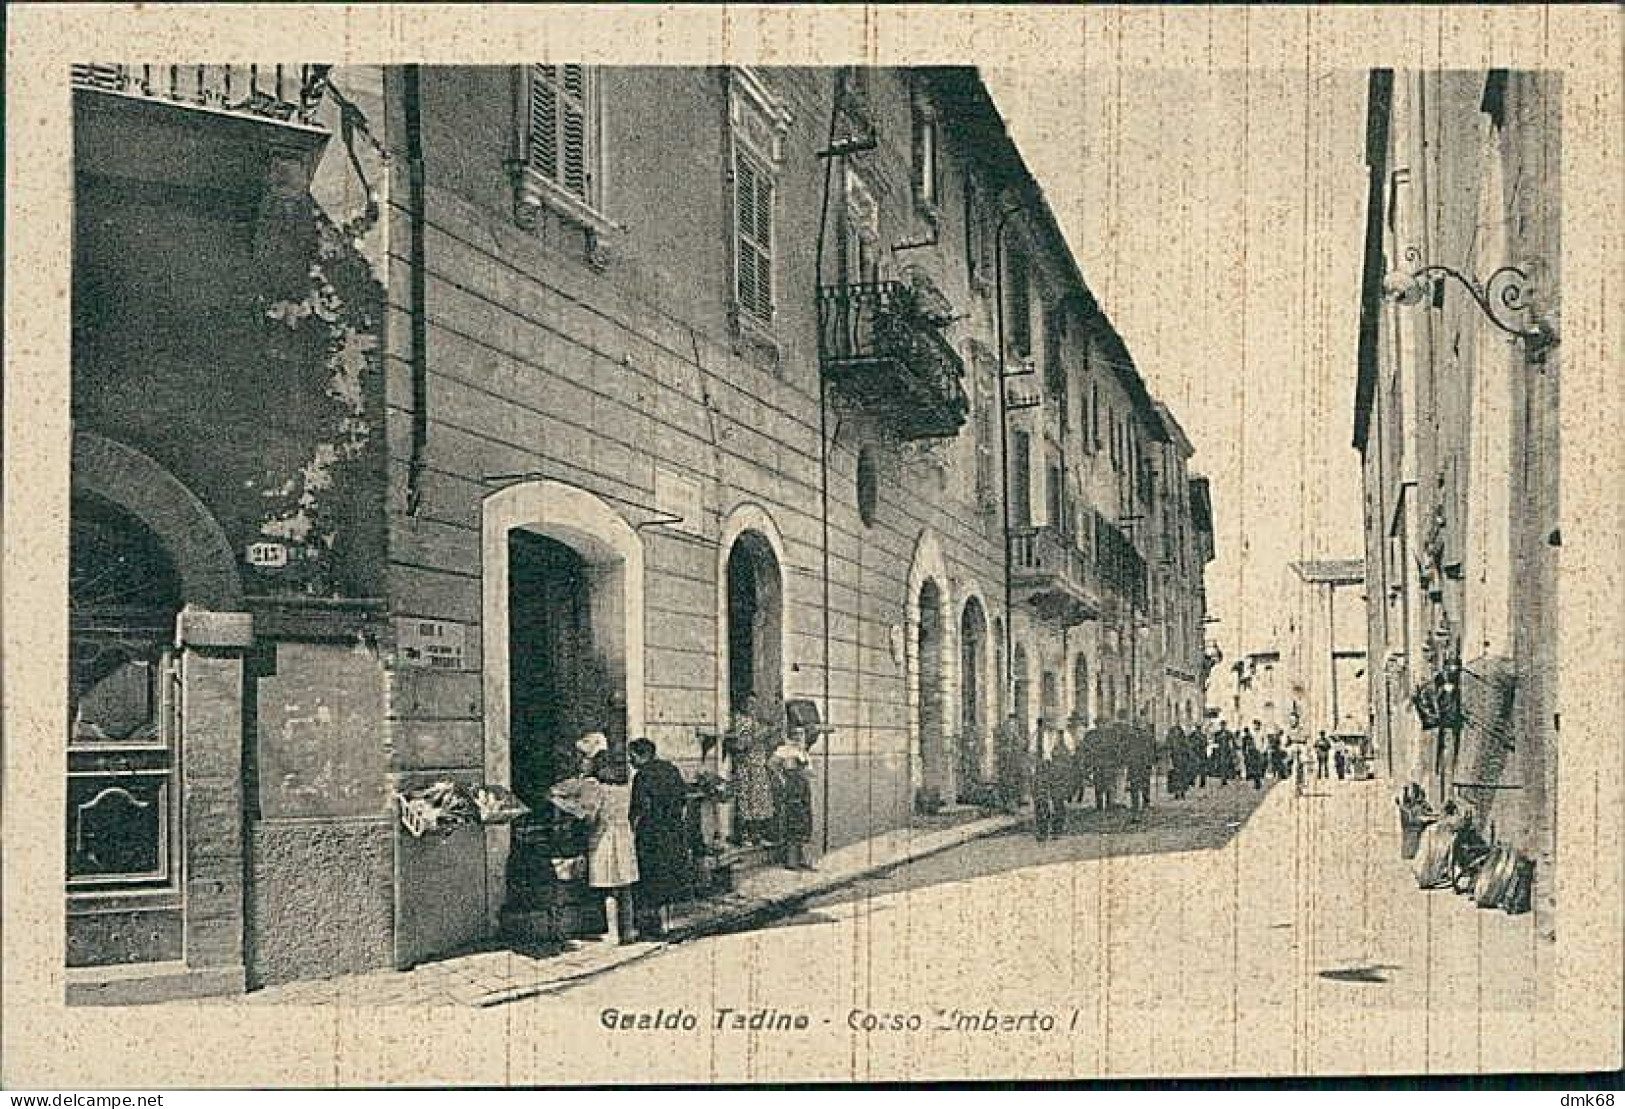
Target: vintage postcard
x=581 y=545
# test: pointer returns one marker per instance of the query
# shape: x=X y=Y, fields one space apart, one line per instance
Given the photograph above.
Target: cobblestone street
x=1291 y=918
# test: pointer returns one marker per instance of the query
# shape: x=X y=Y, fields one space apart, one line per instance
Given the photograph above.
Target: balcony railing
x=285 y=93
x=1055 y=574
x=885 y=353
x=1122 y=570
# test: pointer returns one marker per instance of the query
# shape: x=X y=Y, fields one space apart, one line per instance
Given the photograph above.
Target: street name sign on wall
x=430 y=644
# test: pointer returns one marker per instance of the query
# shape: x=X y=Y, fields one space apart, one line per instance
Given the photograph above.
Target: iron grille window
x=753 y=224
x=562 y=130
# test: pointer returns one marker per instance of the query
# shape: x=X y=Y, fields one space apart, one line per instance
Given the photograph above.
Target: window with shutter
x=753 y=222
x=758 y=124
x=557 y=155
x=561 y=135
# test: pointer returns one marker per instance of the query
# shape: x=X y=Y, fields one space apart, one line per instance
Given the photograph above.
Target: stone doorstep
x=741 y=906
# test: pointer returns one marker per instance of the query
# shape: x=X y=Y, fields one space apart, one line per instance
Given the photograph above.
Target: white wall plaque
x=432 y=644
x=679 y=495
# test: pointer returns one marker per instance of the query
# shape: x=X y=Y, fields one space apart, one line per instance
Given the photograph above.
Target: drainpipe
x=1004 y=462
x=829 y=157
x=417 y=291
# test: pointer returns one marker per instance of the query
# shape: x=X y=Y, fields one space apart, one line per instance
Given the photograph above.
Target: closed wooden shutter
x=753 y=214
x=560 y=147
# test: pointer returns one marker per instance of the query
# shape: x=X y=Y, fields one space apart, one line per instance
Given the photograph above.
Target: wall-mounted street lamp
x=1505 y=291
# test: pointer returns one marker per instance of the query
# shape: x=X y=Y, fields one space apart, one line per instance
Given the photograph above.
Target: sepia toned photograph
x=954 y=569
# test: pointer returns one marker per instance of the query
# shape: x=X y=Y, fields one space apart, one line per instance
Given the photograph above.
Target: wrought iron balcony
x=1122 y=570
x=1053 y=573
x=884 y=352
x=283 y=93
x=250 y=131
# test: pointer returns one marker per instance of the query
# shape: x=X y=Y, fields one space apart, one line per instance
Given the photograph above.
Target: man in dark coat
x=660 y=827
x=1098 y=758
x=1139 y=759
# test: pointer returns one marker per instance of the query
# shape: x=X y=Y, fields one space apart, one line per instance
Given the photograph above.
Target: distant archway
x=975 y=725
x=931 y=665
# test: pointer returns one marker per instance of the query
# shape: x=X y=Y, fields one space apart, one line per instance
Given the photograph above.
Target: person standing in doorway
x=660 y=827
x=790 y=766
x=750 y=745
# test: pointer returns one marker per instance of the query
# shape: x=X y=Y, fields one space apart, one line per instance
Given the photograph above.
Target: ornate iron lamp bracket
x=1506 y=289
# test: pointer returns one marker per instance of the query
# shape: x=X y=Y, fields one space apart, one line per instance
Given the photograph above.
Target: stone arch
x=749 y=518
x=928 y=575
x=123 y=476
x=613 y=553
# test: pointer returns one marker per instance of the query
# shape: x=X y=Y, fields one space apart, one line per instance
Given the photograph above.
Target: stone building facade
x=427 y=418
x=1325 y=641
x=1456 y=422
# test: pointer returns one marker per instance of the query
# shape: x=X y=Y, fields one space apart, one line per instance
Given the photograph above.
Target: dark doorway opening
x=561 y=684
x=933 y=772
x=755 y=629
x=973 y=697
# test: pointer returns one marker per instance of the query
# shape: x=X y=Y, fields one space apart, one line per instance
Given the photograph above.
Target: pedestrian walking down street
x=1052 y=781
x=660 y=827
x=1012 y=764
x=1078 y=732
x=792 y=796
x=1277 y=757
x=1340 y=760
x=1101 y=753
x=1253 y=759
x=1140 y=762
x=1298 y=758
x=1323 y=752
x=1175 y=743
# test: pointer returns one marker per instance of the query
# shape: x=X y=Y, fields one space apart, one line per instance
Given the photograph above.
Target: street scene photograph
x=695 y=573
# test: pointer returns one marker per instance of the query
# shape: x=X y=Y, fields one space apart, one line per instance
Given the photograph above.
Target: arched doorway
x=974 y=725
x=754 y=618
x=123 y=595
x=934 y=771
x=563 y=652
x=142 y=550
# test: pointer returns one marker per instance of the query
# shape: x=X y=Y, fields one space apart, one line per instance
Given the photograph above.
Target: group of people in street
x=634 y=805
x=1058 y=765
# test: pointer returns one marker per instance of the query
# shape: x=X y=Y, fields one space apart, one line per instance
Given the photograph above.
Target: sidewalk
x=493 y=977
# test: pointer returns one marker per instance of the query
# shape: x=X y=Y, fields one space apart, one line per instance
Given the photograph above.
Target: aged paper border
x=49 y=1045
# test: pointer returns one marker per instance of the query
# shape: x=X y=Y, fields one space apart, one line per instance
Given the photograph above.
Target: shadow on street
x=1206 y=820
